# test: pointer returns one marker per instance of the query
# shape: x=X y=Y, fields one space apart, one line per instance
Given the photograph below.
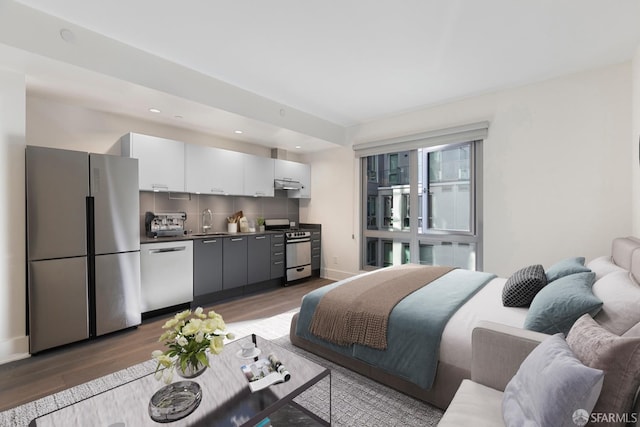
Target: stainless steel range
x=298 y=249
x=298 y=255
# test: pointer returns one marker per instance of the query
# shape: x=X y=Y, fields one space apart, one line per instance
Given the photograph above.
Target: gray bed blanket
x=415 y=325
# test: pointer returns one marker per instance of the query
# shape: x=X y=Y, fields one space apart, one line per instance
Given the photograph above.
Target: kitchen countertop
x=145 y=239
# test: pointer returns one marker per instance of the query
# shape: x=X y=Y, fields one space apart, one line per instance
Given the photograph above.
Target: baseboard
x=332 y=274
x=14 y=349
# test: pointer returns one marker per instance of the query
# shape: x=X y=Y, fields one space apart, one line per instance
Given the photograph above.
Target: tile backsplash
x=222 y=207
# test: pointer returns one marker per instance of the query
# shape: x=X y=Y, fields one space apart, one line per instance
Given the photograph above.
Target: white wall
x=13 y=340
x=557 y=177
x=635 y=143
x=334 y=188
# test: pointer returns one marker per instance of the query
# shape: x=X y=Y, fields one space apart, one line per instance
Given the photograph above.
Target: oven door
x=298 y=253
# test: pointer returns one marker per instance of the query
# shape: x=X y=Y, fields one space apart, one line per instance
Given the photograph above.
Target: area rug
x=356 y=400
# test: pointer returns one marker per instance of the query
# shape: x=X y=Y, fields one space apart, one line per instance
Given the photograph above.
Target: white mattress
x=455 y=346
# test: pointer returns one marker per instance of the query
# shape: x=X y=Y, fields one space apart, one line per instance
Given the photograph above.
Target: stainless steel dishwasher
x=167 y=274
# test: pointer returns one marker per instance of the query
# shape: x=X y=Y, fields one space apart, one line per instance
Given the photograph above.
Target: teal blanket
x=415 y=325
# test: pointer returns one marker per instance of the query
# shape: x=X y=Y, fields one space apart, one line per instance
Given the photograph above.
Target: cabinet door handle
x=260 y=237
x=238 y=239
x=278 y=253
x=277 y=244
x=204 y=242
x=278 y=262
x=160 y=186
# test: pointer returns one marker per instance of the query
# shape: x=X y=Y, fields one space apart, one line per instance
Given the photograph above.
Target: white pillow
x=551 y=387
x=602 y=266
x=620 y=295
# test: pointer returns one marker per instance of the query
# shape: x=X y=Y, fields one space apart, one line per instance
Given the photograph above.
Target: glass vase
x=191 y=371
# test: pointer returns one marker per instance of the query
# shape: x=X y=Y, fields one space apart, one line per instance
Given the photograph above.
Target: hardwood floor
x=58 y=369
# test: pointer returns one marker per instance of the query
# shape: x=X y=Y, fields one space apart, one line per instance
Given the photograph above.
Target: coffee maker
x=165 y=224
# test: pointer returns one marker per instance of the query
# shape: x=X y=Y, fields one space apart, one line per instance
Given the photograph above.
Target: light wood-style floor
x=58 y=369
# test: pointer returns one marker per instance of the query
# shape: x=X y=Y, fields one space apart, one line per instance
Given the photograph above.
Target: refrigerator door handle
x=91 y=225
x=176 y=249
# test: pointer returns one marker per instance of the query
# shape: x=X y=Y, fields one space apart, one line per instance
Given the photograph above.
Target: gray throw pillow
x=523 y=285
x=566 y=267
x=549 y=387
x=559 y=304
x=618 y=357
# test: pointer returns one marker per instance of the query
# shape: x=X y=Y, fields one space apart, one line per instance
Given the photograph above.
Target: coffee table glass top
x=226 y=398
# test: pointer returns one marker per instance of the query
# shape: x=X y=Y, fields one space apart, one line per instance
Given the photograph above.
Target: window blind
x=451 y=135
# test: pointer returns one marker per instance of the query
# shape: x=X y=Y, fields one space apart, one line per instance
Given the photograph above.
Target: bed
x=408 y=367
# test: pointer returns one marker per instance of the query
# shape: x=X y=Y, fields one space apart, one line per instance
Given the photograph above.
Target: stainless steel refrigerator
x=83 y=245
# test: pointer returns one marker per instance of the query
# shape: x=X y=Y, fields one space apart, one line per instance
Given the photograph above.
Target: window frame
x=426 y=237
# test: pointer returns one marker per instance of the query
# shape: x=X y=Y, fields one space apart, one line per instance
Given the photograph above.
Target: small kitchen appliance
x=165 y=224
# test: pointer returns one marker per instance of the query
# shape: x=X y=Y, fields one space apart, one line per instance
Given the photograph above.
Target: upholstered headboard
x=622 y=250
x=619 y=260
x=618 y=286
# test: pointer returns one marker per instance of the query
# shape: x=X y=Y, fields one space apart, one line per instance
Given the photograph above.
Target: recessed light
x=154 y=110
x=178 y=117
x=237 y=131
x=67 y=35
x=298 y=147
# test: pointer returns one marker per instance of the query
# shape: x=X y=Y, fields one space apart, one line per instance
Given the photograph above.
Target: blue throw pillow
x=566 y=267
x=559 y=304
x=551 y=387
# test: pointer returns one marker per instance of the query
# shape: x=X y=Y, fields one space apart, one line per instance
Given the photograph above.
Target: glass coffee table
x=226 y=398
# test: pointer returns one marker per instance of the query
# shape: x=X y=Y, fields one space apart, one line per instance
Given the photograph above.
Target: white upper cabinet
x=168 y=165
x=258 y=176
x=213 y=170
x=287 y=170
x=160 y=161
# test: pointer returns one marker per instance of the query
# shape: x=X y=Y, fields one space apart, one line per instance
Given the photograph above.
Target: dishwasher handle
x=162 y=250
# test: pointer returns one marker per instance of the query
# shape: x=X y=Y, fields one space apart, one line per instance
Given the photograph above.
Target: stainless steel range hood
x=286 y=184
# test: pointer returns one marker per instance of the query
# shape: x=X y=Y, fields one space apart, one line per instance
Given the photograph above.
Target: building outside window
x=444 y=182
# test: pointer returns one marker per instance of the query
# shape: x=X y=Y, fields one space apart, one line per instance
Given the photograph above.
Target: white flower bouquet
x=188 y=336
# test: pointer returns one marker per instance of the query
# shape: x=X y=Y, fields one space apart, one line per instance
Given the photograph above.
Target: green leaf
x=202 y=358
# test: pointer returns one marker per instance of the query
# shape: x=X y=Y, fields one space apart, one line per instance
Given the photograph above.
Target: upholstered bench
x=501 y=352
x=497 y=353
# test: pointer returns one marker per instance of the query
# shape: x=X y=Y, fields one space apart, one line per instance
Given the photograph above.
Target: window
x=444 y=183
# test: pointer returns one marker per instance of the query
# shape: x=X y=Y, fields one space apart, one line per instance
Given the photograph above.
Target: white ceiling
x=341 y=62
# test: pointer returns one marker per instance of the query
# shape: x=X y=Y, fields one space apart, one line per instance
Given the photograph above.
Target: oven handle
x=291 y=241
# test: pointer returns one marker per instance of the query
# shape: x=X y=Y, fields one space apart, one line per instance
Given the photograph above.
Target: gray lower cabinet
x=277 y=256
x=235 y=258
x=315 y=249
x=259 y=258
x=207 y=266
x=223 y=263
